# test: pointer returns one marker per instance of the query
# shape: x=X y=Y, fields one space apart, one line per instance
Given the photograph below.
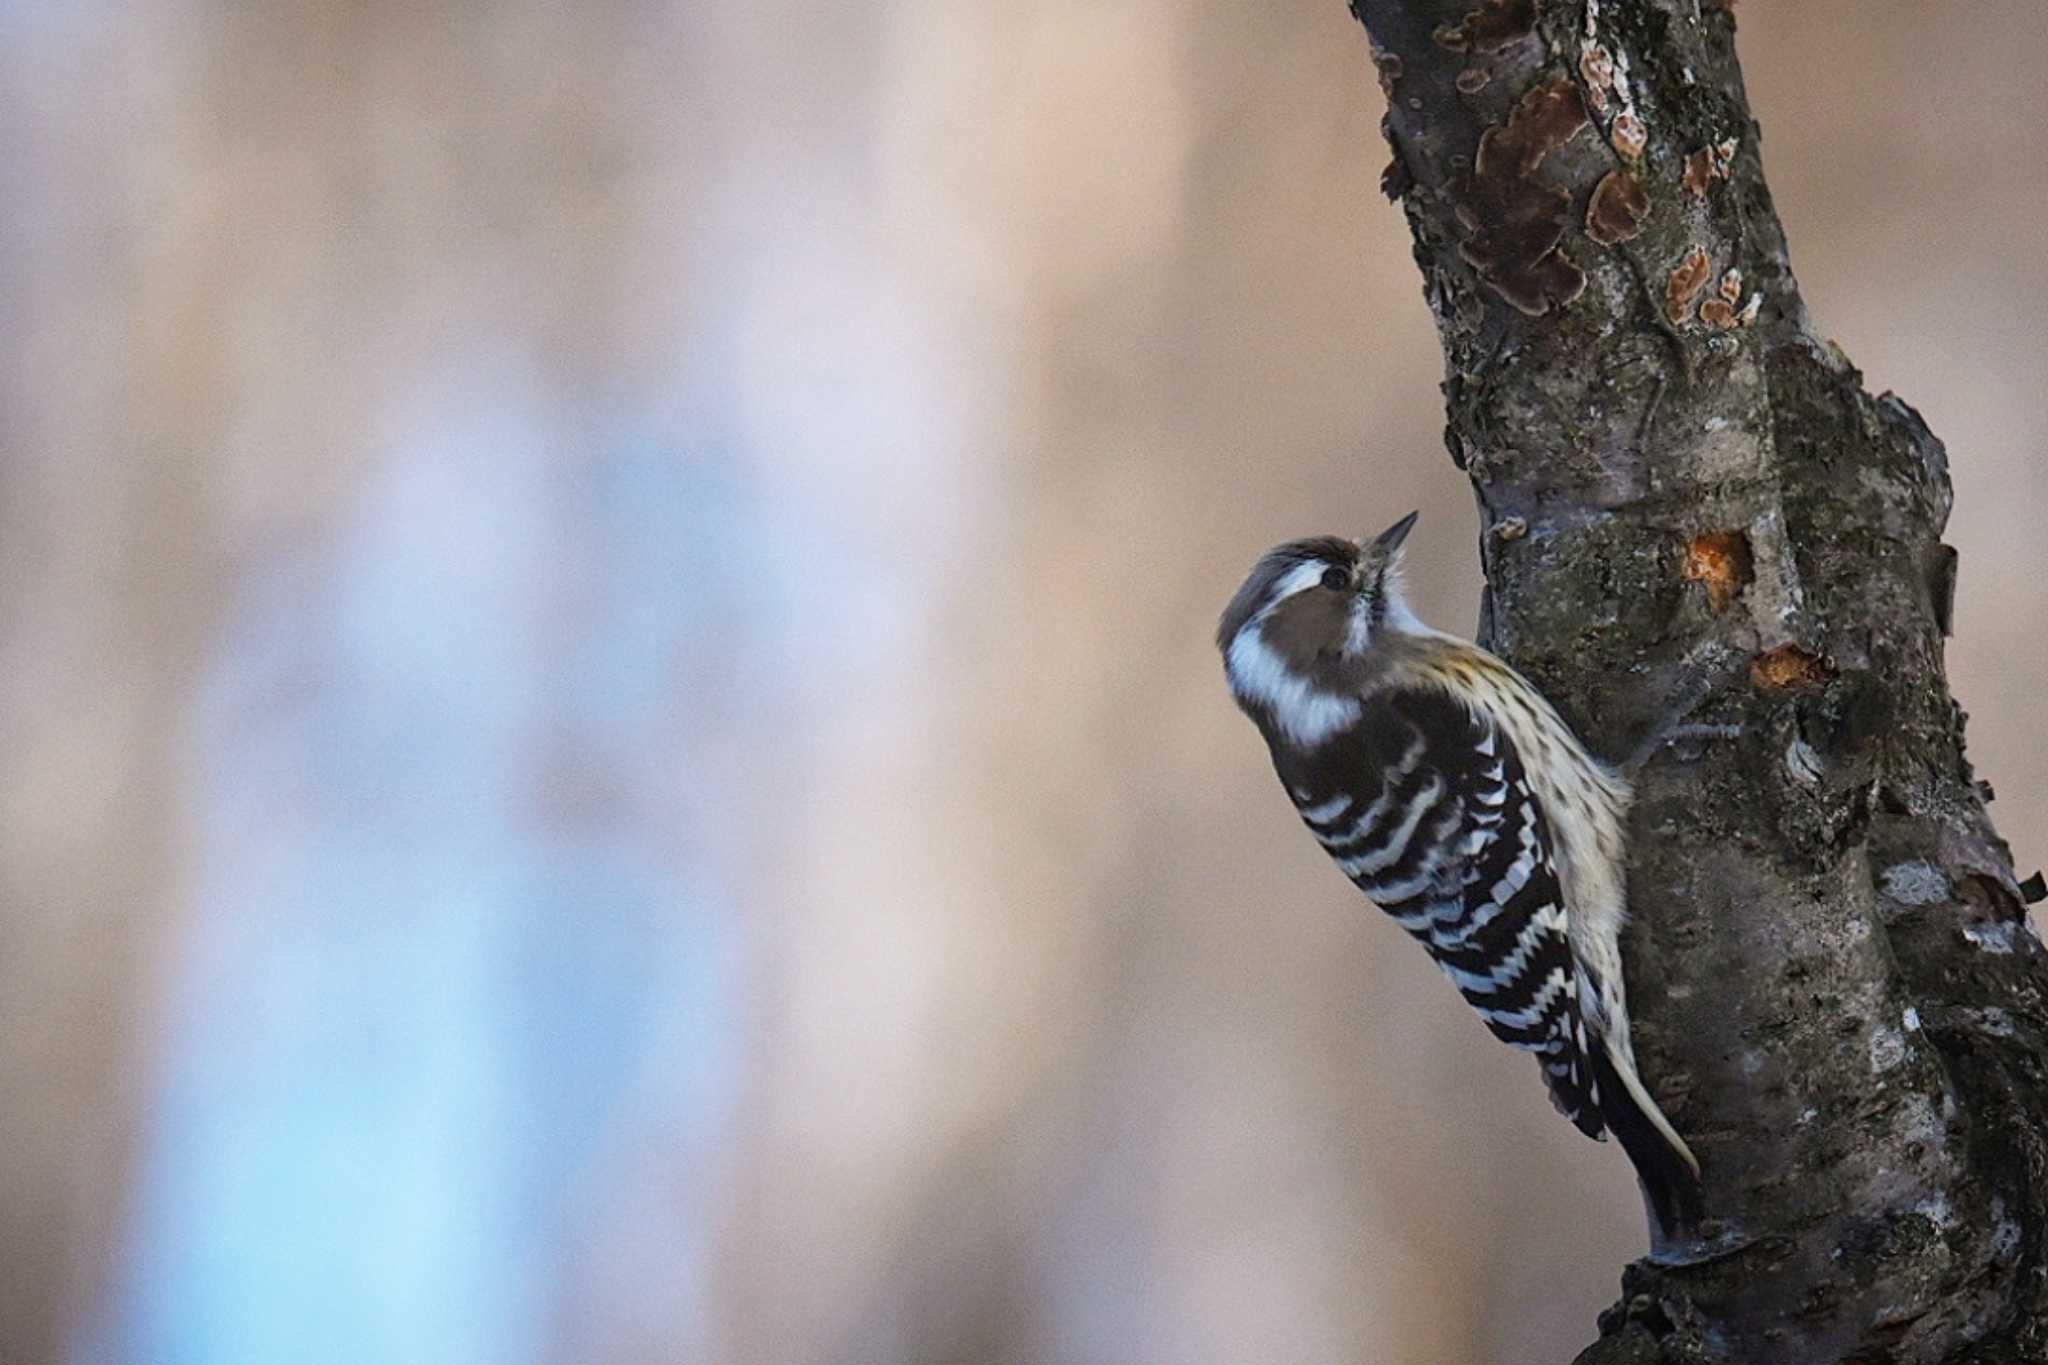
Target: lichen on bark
x=1838 y=998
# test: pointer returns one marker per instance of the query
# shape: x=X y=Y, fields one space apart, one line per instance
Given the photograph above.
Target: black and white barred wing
x=1425 y=806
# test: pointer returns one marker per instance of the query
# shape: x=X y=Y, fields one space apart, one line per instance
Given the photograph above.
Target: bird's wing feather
x=1426 y=807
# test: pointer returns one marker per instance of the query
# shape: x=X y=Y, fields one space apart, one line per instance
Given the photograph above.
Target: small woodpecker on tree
x=1453 y=794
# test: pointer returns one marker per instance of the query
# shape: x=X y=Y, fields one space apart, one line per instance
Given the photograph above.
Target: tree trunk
x=1723 y=559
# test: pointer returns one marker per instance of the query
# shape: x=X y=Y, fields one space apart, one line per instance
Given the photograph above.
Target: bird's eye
x=1336 y=579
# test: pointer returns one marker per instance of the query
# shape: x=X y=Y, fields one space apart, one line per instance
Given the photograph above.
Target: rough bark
x=1723 y=558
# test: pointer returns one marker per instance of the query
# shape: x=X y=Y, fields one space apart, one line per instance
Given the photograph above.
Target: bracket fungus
x=1719 y=311
x=1708 y=164
x=1514 y=222
x=1495 y=25
x=1596 y=69
x=1699 y=173
x=1617 y=209
x=1630 y=136
x=1688 y=278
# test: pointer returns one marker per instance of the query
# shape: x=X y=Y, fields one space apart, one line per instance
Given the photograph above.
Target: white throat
x=1302 y=712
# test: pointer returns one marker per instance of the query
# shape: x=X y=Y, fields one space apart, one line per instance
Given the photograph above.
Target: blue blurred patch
x=441 y=952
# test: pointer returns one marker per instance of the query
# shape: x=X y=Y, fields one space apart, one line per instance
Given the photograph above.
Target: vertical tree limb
x=1723 y=558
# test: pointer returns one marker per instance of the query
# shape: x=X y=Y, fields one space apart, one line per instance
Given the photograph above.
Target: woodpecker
x=1453 y=794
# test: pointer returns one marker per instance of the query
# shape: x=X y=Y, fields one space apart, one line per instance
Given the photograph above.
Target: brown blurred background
x=612 y=746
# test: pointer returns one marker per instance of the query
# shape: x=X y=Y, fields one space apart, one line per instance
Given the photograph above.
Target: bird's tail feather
x=1666 y=1167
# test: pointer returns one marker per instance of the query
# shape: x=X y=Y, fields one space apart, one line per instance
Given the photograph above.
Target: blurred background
x=612 y=748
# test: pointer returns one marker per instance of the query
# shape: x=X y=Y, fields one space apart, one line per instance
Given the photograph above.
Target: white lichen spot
x=1911 y=1019
x=1992 y=938
x=1994 y=1021
x=1887 y=1049
x=1628 y=101
x=1919 y=1121
x=1808 y=1114
x=2005 y=1233
x=1916 y=882
x=1936 y=1211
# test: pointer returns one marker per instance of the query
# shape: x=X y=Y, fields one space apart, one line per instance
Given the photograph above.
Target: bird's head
x=1311 y=612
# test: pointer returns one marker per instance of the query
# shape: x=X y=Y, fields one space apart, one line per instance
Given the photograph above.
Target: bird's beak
x=1390 y=539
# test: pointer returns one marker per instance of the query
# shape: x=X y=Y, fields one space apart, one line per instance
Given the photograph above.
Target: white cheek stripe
x=1300 y=578
x=1303 y=714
